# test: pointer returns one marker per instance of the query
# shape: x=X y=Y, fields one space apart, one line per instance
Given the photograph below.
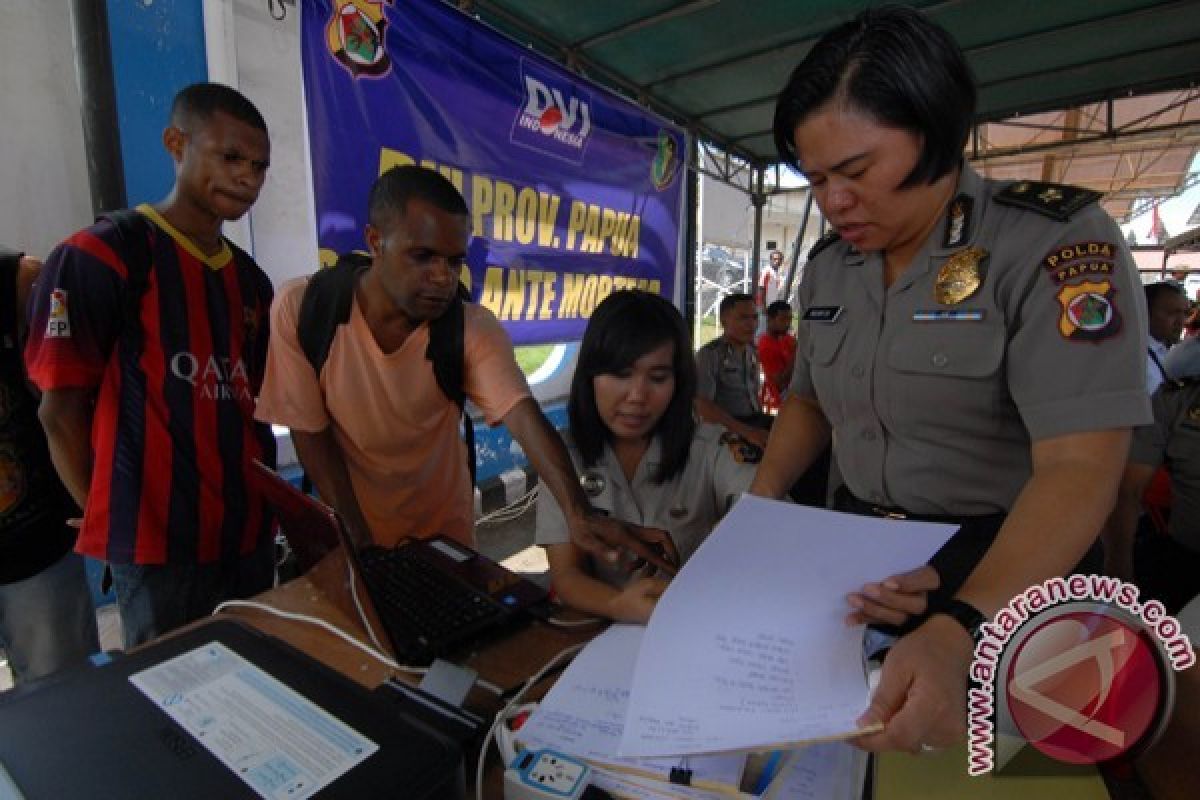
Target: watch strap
x=965 y=614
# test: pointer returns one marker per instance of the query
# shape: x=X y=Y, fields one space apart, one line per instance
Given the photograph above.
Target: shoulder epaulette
x=1055 y=200
x=822 y=243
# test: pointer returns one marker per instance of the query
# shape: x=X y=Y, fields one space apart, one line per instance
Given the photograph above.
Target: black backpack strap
x=133 y=246
x=446 y=351
x=326 y=304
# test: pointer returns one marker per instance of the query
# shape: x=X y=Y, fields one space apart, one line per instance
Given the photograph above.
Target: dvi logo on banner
x=556 y=118
x=1077 y=668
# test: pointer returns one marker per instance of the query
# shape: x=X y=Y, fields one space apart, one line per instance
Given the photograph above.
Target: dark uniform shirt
x=934 y=388
x=729 y=377
x=34 y=505
x=1173 y=439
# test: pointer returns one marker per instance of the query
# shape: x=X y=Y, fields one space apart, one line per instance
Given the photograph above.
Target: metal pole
x=791 y=276
x=101 y=135
x=691 y=227
x=759 y=199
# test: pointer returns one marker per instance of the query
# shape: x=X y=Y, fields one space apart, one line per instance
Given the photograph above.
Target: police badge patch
x=1089 y=311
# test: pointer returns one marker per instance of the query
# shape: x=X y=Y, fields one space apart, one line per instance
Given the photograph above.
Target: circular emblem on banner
x=666 y=160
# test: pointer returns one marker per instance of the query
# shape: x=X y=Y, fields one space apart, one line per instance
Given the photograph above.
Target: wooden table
x=324 y=593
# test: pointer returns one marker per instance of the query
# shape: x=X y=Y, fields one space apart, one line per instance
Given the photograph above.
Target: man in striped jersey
x=148 y=336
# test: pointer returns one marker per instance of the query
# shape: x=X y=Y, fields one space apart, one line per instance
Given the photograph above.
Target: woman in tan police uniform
x=640 y=454
x=973 y=349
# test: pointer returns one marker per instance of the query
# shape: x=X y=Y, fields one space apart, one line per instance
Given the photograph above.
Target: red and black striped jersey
x=174 y=432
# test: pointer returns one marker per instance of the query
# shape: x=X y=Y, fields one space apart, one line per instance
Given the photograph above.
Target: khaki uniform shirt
x=687 y=506
x=729 y=378
x=1174 y=439
x=935 y=392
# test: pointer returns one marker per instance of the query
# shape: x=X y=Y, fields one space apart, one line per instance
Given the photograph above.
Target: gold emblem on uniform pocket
x=960 y=276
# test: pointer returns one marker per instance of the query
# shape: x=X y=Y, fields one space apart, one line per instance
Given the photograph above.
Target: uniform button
x=869 y=435
x=940 y=360
x=857 y=370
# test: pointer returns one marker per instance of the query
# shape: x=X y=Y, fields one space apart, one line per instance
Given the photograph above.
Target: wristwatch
x=965 y=614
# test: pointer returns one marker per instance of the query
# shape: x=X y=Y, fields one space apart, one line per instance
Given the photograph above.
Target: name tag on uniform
x=948 y=315
x=822 y=314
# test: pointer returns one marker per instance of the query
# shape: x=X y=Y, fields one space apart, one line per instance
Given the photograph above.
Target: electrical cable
x=508 y=708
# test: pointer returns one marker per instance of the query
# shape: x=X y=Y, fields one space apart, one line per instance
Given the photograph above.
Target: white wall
x=43 y=176
x=261 y=57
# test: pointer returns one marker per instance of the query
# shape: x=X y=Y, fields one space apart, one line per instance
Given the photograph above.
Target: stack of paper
x=747 y=650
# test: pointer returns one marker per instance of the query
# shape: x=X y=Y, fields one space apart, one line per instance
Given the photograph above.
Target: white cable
x=320 y=623
x=373 y=652
x=504 y=712
x=362 y=615
x=513 y=510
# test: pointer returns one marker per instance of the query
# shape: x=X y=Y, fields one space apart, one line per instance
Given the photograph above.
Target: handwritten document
x=825 y=771
x=584 y=713
x=747 y=649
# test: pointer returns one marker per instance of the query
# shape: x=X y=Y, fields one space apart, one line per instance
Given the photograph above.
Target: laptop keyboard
x=425 y=610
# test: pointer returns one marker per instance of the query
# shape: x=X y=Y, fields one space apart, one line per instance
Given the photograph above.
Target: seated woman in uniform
x=641 y=454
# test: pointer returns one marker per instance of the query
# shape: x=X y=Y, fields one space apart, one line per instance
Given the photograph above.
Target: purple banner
x=573 y=191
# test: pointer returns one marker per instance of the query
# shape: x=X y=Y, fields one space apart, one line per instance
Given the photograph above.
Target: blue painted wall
x=157 y=49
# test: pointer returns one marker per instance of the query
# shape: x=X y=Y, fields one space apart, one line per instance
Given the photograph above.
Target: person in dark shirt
x=148 y=339
x=47 y=621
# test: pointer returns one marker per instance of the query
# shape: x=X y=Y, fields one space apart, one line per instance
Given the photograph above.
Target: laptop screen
x=311 y=527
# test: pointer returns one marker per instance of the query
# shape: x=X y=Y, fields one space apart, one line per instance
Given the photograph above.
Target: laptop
x=92 y=732
x=434 y=597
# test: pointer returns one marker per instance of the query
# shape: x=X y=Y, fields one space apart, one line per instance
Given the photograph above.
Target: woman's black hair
x=623 y=328
x=895 y=65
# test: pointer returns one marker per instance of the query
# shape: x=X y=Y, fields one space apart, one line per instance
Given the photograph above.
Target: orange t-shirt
x=398 y=433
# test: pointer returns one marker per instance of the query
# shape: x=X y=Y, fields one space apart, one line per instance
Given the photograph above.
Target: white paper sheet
x=826 y=771
x=747 y=648
x=584 y=713
x=280 y=743
x=631 y=787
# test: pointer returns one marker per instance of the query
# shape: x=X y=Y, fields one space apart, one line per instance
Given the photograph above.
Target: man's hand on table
x=617 y=542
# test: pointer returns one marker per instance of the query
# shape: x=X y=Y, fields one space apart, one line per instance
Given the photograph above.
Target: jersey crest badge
x=1089 y=312
x=58 y=324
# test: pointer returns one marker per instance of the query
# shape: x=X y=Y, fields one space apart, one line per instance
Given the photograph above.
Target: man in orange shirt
x=776 y=353
x=373 y=430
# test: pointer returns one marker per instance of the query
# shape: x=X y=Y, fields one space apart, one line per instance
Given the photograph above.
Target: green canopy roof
x=716 y=66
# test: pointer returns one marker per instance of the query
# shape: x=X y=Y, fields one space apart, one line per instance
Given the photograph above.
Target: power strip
x=545 y=775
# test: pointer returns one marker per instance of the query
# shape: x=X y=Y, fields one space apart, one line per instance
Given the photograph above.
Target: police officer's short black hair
x=197 y=104
x=896 y=66
x=1156 y=290
x=778 y=307
x=623 y=328
x=394 y=188
x=731 y=300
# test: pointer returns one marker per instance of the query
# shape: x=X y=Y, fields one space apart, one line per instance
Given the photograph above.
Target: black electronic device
x=432 y=596
x=90 y=732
